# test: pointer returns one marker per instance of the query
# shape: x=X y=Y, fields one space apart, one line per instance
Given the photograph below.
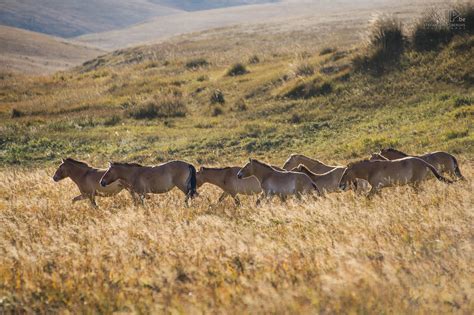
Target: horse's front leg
x=237 y=201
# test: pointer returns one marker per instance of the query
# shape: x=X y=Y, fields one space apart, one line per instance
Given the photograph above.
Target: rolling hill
x=34 y=53
x=323 y=16
x=68 y=18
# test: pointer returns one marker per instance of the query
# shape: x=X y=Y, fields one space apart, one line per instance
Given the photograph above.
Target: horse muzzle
x=103 y=183
x=56 y=179
x=239 y=175
x=343 y=186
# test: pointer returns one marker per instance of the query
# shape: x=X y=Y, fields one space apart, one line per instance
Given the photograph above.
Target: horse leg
x=78 y=198
x=259 y=199
x=223 y=196
x=92 y=200
x=373 y=191
x=237 y=201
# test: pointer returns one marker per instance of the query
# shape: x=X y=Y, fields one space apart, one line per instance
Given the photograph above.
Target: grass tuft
x=237 y=69
x=159 y=106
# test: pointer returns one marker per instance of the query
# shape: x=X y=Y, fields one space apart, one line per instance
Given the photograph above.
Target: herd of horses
x=300 y=175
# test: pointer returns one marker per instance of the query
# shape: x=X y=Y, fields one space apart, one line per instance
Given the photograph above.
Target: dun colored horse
x=313 y=165
x=443 y=161
x=327 y=182
x=275 y=182
x=379 y=173
x=87 y=180
x=153 y=179
x=226 y=179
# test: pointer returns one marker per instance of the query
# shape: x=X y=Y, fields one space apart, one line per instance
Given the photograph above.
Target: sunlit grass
x=401 y=251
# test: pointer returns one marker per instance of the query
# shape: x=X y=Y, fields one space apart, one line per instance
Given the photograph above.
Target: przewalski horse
x=226 y=179
x=443 y=161
x=379 y=173
x=313 y=165
x=279 y=183
x=327 y=182
x=87 y=180
x=153 y=179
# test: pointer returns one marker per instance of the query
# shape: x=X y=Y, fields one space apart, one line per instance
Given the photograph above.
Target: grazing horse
x=275 y=182
x=443 y=161
x=379 y=173
x=153 y=179
x=226 y=179
x=327 y=182
x=313 y=165
x=87 y=180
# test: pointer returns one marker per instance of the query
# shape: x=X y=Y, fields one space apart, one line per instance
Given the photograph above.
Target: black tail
x=435 y=173
x=191 y=182
x=457 y=171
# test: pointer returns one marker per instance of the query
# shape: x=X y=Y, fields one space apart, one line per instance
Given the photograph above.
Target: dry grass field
x=216 y=98
x=401 y=252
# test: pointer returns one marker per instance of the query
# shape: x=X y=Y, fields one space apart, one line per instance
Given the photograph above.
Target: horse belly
x=246 y=186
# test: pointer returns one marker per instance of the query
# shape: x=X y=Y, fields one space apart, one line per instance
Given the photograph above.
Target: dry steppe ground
x=401 y=252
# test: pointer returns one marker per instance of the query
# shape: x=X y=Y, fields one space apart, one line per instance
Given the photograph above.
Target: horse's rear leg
x=223 y=196
x=78 y=198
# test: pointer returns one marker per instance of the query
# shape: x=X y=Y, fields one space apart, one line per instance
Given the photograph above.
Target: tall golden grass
x=402 y=252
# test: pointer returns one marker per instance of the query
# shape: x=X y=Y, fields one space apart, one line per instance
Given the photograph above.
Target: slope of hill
x=34 y=53
x=68 y=18
x=324 y=16
x=193 y=5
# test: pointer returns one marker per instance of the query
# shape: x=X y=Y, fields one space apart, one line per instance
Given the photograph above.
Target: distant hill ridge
x=70 y=18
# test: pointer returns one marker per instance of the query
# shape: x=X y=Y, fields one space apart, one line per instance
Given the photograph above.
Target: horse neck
x=262 y=171
x=77 y=172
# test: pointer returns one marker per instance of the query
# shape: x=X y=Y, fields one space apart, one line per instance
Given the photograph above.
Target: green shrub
x=159 y=107
x=237 y=69
x=196 y=63
x=307 y=90
x=327 y=50
x=217 y=96
x=15 y=113
x=384 y=47
x=112 y=120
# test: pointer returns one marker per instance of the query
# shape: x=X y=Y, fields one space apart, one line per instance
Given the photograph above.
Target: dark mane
x=263 y=164
x=126 y=164
x=216 y=168
x=360 y=161
x=76 y=162
x=393 y=150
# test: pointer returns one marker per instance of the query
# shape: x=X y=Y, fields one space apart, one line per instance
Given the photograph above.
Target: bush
x=240 y=105
x=217 y=96
x=307 y=90
x=302 y=69
x=197 y=63
x=384 y=47
x=216 y=111
x=237 y=69
x=435 y=29
x=327 y=50
x=159 y=107
x=16 y=113
x=112 y=120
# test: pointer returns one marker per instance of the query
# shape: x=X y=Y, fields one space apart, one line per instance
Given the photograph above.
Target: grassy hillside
x=309 y=101
x=68 y=18
x=34 y=53
x=216 y=98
